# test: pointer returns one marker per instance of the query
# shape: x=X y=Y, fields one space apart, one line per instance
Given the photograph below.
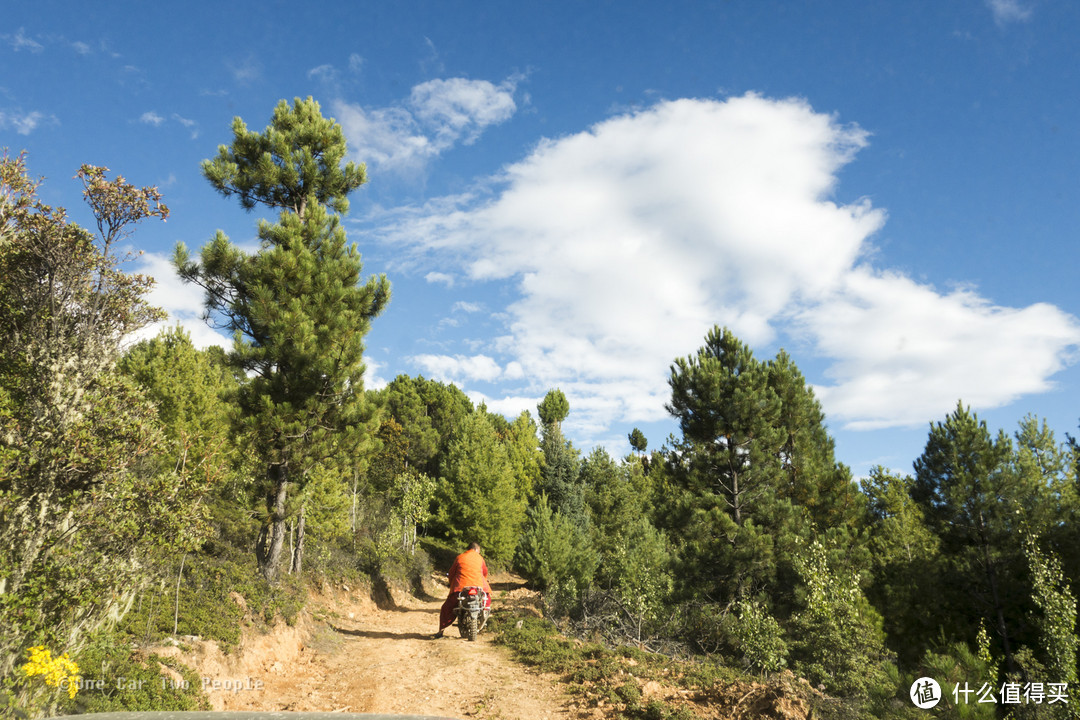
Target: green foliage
x=189 y=390
x=214 y=583
x=638 y=441
x=556 y=555
x=634 y=569
x=554 y=408
x=974 y=502
x=836 y=637
x=478 y=498
x=523 y=451
x=412 y=493
x=81 y=508
x=561 y=480
x=729 y=507
x=297 y=159
x=297 y=308
x=907 y=565
x=1057 y=608
x=326 y=502
x=612 y=679
x=116 y=680
x=392 y=457
x=757 y=637
x=952 y=665
x=430 y=414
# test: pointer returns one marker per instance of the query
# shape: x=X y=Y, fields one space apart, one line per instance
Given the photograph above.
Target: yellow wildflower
x=56 y=672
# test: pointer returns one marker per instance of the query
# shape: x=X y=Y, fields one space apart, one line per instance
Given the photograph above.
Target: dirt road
x=359 y=657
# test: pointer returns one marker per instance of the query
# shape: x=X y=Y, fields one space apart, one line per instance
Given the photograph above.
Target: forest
x=141 y=484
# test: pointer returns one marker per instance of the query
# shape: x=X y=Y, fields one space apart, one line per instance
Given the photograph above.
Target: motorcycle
x=472 y=612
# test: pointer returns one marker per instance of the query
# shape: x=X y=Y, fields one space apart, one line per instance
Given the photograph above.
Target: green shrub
x=114 y=679
x=758 y=637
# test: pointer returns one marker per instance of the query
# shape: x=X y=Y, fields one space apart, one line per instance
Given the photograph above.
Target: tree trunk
x=999 y=609
x=352 y=515
x=272 y=536
x=298 y=552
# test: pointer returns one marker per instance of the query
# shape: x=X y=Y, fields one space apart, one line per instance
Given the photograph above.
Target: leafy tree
x=523 y=451
x=430 y=414
x=1043 y=471
x=413 y=493
x=1057 y=613
x=1052 y=509
x=638 y=440
x=757 y=637
x=836 y=637
x=297 y=308
x=391 y=459
x=407 y=407
x=78 y=514
x=812 y=478
x=189 y=391
x=634 y=567
x=560 y=481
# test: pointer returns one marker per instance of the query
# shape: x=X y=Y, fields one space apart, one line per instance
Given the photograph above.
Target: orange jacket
x=469 y=570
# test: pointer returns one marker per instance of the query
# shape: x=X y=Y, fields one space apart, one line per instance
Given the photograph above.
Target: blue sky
x=571 y=194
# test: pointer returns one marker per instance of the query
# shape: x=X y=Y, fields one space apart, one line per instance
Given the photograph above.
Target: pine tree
x=560 y=480
x=554 y=408
x=297 y=308
x=727 y=514
x=973 y=502
x=478 y=498
x=812 y=479
x=907 y=564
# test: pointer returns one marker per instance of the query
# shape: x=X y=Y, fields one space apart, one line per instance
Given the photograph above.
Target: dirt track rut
x=365 y=659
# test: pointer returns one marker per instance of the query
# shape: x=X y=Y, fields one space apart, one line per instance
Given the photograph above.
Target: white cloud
x=246 y=70
x=510 y=406
x=387 y=137
x=372 y=379
x=1009 y=11
x=903 y=351
x=151 y=118
x=467 y=307
x=22 y=123
x=20 y=41
x=456 y=368
x=438 y=277
x=81 y=48
x=356 y=63
x=323 y=73
x=182 y=301
x=190 y=124
x=460 y=109
x=438 y=115
x=627 y=242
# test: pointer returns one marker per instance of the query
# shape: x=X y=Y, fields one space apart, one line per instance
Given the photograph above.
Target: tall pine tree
x=727 y=469
x=297 y=308
x=973 y=502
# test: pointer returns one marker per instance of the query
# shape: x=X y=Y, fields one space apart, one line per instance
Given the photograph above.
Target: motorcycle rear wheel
x=467 y=627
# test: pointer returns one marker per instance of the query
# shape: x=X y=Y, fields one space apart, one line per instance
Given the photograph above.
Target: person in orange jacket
x=468 y=570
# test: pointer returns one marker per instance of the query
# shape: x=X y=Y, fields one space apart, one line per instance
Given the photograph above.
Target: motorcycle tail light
x=472 y=591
